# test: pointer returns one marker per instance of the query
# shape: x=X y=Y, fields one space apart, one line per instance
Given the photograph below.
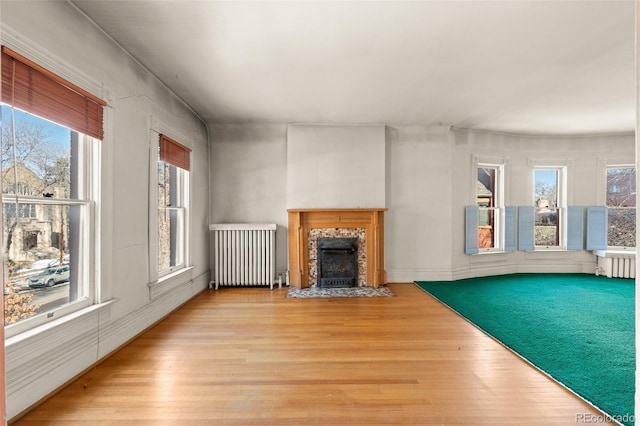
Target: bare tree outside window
x=621 y=203
x=546 y=203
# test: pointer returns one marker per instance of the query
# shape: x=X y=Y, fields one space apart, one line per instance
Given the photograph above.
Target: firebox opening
x=337 y=262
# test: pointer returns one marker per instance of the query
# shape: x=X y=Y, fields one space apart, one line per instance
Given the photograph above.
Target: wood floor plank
x=250 y=356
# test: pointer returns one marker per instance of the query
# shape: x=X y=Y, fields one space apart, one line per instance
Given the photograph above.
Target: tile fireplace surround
x=306 y=225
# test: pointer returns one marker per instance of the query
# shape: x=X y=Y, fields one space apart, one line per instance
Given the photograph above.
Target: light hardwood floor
x=250 y=356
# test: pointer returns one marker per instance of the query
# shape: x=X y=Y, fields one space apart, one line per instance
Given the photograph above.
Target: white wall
x=418 y=223
x=335 y=166
x=42 y=361
x=585 y=157
x=249 y=178
x=429 y=181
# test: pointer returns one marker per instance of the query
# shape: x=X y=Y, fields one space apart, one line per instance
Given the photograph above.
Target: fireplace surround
x=308 y=225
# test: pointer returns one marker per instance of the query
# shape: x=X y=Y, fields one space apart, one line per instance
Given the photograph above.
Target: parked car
x=20 y=283
x=45 y=263
x=50 y=277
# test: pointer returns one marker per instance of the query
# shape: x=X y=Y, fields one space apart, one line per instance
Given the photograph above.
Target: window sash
x=621 y=202
x=489 y=199
x=550 y=212
x=172 y=205
x=171 y=239
x=77 y=240
x=621 y=232
x=489 y=226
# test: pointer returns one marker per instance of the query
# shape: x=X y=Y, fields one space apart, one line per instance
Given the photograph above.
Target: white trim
x=497 y=163
x=153 y=204
x=40 y=322
x=601 y=182
x=170 y=281
x=158 y=126
x=58 y=322
x=563 y=168
x=163 y=281
x=51 y=62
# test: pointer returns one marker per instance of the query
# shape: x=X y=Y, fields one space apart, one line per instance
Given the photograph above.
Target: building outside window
x=550 y=211
x=621 y=205
x=489 y=202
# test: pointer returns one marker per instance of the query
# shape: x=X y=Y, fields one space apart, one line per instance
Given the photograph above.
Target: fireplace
x=306 y=226
x=337 y=262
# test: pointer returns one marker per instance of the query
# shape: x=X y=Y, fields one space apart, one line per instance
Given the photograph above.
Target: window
x=550 y=211
x=173 y=202
x=489 y=201
x=621 y=204
x=50 y=132
x=26 y=211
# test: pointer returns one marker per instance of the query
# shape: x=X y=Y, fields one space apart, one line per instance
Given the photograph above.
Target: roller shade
x=32 y=88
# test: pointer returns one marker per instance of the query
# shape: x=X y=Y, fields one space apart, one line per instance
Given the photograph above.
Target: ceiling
x=515 y=66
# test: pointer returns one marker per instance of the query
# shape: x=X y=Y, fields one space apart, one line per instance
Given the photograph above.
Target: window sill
x=486 y=252
x=59 y=322
x=170 y=282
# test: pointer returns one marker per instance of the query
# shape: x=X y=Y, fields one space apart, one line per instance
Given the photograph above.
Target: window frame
x=498 y=208
x=88 y=176
x=182 y=200
x=90 y=183
x=613 y=165
x=162 y=281
x=561 y=204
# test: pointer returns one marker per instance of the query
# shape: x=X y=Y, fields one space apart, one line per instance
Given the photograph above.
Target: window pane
x=621 y=187
x=546 y=227
x=547 y=230
x=171 y=217
x=41 y=258
x=36 y=156
x=621 y=201
x=486 y=200
x=170 y=238
x=622 y=228
x=486 y=226
x=546 y=188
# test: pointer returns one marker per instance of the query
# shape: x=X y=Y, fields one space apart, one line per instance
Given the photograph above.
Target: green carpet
x=578 y=328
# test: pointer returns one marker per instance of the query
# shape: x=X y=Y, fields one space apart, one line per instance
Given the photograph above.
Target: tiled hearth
x=307 y=225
